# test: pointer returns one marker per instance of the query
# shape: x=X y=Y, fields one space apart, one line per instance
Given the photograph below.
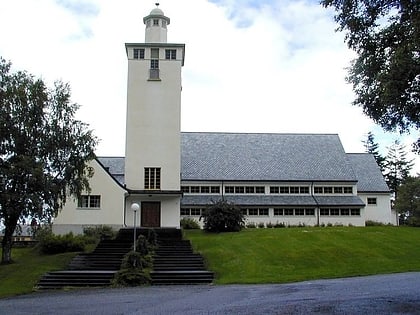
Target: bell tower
x=153 y=124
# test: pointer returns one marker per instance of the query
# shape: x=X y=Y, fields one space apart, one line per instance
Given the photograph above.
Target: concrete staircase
x=173 y=263
x=90 y=269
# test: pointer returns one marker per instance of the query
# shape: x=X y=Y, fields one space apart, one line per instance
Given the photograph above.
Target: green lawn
x=21 y=276
x=295 y=254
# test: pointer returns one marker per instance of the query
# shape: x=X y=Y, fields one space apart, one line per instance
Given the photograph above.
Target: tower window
x=154 y=64
x=152 y=178
x=138 y=53
x=155 y=22
x=170 y=53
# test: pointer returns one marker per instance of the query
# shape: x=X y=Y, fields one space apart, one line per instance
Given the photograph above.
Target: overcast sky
x=250 y=65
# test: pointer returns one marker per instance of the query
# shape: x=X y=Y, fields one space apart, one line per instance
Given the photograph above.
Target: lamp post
x=135 y=207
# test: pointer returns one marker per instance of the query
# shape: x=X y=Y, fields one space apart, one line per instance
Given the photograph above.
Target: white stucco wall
x=72 y=218
x=153 y=120
x=169 y=209
x=381 y=212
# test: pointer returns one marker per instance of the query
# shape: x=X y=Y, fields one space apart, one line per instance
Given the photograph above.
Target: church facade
x=291 y=179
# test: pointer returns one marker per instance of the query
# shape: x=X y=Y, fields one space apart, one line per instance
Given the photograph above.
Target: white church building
x=292 y=179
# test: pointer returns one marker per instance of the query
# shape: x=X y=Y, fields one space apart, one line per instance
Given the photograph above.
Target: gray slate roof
x=368 y=173
x=268 y=157
x=264 y=157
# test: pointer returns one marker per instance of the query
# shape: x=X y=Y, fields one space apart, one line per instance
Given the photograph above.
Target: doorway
x=150 y=214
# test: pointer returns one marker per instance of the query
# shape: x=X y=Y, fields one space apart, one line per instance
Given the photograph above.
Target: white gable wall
x=72 y=218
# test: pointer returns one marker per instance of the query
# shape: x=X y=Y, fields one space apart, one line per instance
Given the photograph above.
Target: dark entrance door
x=150 y=214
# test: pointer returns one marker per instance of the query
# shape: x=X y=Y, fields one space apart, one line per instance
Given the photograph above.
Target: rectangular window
x=371 y=201
x=318 y=190
x=344 y=211
x=347 y=190
x=89 y=201
x=138 y=53
x=170 y=54
x=154 y=64
x=252 y=211
x=215 y=189
x=288 y=211
x=338 y=190
x=263 y=212
x=309 y=211
x=304 y=190
x=185 y=189
x=355 y=211
x=205 y=189
x=274 y=190
x=335 y=212
x=284 y=189
x=229 y=189
x=328 y=190
x=185 y=211
x=155 y=22
x=260 y=190
x=299 y=211
x=324 y=212
x=250 y=190
x=294 y=190
x=239 y=190
x=278 y=211
x=244 y=211
x=196 y=211
x=151 y=178
x=195 y=189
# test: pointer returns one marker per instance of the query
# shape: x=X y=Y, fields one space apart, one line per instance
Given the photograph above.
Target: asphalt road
x=383 y=294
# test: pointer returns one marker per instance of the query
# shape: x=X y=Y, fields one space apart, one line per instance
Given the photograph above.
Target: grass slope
x=296 y=254
x=21 y=276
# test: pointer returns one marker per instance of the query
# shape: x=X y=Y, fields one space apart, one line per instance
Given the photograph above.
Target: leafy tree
x=408 y=200
x=223 y=216
x=397 y=167
x=44 y=150
x=386 y=74
x=372 y=147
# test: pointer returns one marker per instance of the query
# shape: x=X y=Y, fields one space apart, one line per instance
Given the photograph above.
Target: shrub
x=261 y=225
x=223 y=216
x=373 y=223
x=269 y=225
x=251 y=225
x=189 y=224
x=152 y=237
x=97 y=233
x=55 y=244
x=279 y=225
x=131 y=277
x=143 y=246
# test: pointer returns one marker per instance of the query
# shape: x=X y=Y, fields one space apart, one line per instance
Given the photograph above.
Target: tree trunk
x=6 y=256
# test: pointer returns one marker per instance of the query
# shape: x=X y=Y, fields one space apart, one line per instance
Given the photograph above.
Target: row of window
x=155 y=22
x=283 y=212
x=261 y=189
x=138 y=53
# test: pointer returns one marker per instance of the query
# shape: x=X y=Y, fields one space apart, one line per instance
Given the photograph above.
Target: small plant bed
x=297 y=254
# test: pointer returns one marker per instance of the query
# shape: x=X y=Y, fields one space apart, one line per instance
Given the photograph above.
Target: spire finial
x=157 y=4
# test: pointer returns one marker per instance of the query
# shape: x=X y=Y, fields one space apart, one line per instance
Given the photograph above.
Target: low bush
x=251 y=225
x=131 y=277
x=189 y=224
x=261 y=225
x=55 y=244
x=97 y=233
